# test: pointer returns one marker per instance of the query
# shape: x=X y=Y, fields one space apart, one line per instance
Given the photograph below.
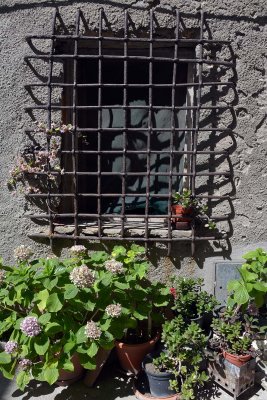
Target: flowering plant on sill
x=51 y=309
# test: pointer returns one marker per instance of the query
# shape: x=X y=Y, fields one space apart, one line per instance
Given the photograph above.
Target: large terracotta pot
x=238 y=361
x=132 y=355
x=183 y=216
x=66 y=378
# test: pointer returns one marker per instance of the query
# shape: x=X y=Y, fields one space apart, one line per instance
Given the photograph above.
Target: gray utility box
x=235 y=380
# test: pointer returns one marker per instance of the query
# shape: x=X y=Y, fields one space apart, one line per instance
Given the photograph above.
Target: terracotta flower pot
x=132 y=355
x=235 y=359
x=183 y=219
x=66 y=378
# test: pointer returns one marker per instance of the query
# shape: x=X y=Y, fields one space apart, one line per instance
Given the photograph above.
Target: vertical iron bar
x=195 y=135
x=99 y=222
x=150 y=100
x=49 y=121
x=174 y=74
x=74 y=138
x=124 y=137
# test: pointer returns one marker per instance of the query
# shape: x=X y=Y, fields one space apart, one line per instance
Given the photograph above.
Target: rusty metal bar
x=99 y=112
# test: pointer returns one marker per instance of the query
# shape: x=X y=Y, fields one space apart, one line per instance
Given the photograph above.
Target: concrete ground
x=111 y=385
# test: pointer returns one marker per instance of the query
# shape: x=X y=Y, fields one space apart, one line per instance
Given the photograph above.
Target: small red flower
x=173 y=292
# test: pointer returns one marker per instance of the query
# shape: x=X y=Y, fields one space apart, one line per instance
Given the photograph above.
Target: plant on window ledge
x=186 y=207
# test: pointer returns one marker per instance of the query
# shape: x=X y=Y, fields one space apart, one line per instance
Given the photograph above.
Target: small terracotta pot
x=66 y=378
x=183 y=219
x=132 y=355
x=235 y=359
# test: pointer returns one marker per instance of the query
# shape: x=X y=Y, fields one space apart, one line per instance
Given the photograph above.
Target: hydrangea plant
x=51 y=309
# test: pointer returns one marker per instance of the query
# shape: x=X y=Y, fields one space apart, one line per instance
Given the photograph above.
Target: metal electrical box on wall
x=224 y=272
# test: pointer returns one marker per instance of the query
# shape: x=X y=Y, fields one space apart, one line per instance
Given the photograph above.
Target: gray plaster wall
x=244 y=23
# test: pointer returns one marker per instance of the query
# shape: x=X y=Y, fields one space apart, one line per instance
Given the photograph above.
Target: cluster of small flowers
x=82 y=277
x=92 y=331
x=78 y=251
x=114 y=310
x=23 y=253
x=2 y=276
x=11 y=347
x=116 y=267
x=30 y=326
x=25 y=364
x=41 y=127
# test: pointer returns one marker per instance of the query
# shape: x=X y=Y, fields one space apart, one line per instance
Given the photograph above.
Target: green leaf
x=80 y=336
x=87 y=362
x=50 y=284
x=51 y=375
x=41 y=345
x=68 y=366
x=23 y=378
x=70 y=291
x=105 y=325
x=261 y=286
x=121 y=285
x=42 y=296
x=69 y=346
x=241 y=295
x=45 y=318
x=53 y=303
x=5 y=358
x=93 y=349
x=52 y=328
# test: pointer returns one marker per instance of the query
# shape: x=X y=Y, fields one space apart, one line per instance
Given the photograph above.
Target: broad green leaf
x=105 y=325
x=69 y=346
x=68 y=366
x=233 y=285
x=93 y=349
x=50 y=283
x=45 y=318
x=51 y=375
x=87 y=362
x=81 y=336
x=122 y=285
x=241 y=295
x=70 y=291
x=42 y=296
x=52 y=328
x=41 y=345
x=5 y=358
x=23 y=378
x=261 y=286
x=53 y=303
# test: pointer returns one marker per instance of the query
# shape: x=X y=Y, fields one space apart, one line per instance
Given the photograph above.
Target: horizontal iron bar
x=108 y=173
x=128 y=58
x=127 y=39
x=136 y=239
x=108 y=216
x=122 y=151
x=132 y=85
x=125 y=107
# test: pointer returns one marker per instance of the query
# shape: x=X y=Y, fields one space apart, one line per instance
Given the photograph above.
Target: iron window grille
x=82 y=46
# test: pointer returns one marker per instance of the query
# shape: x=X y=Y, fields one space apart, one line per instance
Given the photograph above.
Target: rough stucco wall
x=244 y=23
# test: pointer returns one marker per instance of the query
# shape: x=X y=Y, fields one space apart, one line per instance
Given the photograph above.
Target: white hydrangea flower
x=114 y=266
x=82 y=276
x=92 y=331
x=78 y=251
x=114 y=310
x=23 y=253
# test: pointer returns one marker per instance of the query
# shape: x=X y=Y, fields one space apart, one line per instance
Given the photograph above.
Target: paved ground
x=111 y=385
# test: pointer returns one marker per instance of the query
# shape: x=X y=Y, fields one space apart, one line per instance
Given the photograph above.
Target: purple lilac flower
x=25 y=364
x=11 y=347
x=30 y=326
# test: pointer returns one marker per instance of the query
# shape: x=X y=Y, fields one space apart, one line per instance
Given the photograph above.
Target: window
x=135 y=101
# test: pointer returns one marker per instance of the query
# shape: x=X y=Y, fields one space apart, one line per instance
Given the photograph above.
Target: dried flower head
x=30 y=326
x=114 y=266
x=78 y=251
x=2 y=276
x=25 y=364
x=253 y=309
x=114 y=310
x=11 y=347
x=82 y=276
x=23 y=253
x=92 y=331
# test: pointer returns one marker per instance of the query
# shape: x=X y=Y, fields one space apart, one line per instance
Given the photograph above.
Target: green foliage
x=189 y=299
x=252 y=285
x=183 y=354
x=45 y=289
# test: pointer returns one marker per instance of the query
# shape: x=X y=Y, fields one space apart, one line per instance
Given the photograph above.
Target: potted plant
x=186 y=207
x=177 y=369
x=233 y=334
x=191 y=302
